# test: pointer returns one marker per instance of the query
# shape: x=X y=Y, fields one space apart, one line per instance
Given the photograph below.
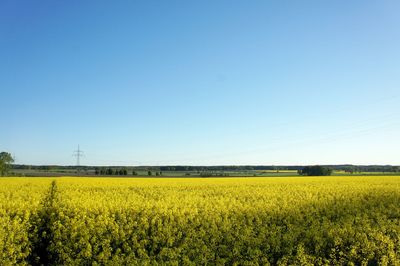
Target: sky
x=200 y=82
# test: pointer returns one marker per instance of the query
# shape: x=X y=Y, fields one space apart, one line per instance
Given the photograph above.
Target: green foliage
x=5 y=162
x=109 y=171
x=316 y=170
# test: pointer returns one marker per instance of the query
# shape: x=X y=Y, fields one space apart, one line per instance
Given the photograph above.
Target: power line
x=78 y=154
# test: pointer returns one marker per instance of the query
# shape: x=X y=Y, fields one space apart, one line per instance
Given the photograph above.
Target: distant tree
x=124 y=172
x=134 y=173
x=44 y=167
x=109 y=171
x=349 y=170
x=149 y=173
x=96 y=171
x=315 y=170
x=206 y=174
x=157 y=174
x=5 y=162
x=121 y=172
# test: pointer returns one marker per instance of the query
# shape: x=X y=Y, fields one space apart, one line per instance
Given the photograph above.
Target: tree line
x=122 y=172
x=233 y=168
x=315 y=170
x=110 y=171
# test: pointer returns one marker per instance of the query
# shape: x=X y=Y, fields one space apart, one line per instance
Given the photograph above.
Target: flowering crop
x=191 y=221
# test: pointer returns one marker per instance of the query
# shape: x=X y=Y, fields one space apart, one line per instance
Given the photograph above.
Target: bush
x=316 y=170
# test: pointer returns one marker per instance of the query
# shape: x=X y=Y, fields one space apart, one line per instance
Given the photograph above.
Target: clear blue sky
x=200 y=82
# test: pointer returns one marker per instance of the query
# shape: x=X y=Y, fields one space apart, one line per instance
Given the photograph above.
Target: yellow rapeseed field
x=197 y=221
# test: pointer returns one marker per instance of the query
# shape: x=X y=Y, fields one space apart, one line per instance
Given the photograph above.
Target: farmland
x=197 y=221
